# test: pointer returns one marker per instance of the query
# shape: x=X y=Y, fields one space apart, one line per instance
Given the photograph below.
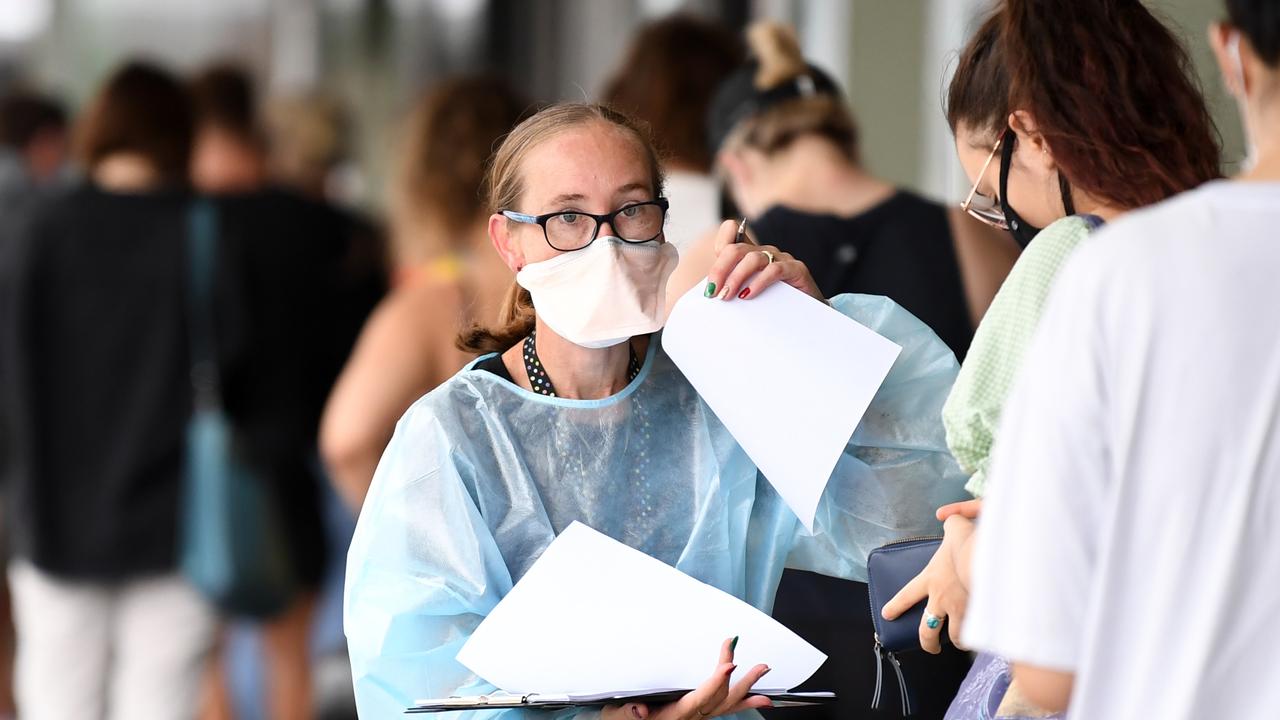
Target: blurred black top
x=95 y=380
x=901 y=248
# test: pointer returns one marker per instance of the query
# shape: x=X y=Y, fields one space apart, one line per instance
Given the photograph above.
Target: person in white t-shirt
x=1128 y=558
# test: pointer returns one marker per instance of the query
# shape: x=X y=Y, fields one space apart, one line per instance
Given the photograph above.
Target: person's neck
x=580 y=373
x=1267 y=168
x=125 y=173
x=812 y=175
x=1086 y=204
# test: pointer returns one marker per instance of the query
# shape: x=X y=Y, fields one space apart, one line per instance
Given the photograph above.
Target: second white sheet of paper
x=788 y=376
x=593 y=615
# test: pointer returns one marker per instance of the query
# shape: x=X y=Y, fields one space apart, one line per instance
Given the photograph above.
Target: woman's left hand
x=941 y=585
x=731 y=274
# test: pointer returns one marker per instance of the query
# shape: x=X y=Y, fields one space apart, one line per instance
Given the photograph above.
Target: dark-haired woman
x=1141 y=451
x=97 y=380
x=1040 y=132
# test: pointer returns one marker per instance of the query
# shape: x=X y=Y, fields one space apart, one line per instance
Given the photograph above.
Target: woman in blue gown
x=574 y=412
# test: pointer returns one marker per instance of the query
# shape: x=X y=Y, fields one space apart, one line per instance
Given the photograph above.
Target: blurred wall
x=894 y=57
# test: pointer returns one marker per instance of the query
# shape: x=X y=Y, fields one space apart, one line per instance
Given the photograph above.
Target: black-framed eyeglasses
x=568 y=230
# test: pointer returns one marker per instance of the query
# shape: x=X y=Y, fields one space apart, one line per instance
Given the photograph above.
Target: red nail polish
x=745 y=292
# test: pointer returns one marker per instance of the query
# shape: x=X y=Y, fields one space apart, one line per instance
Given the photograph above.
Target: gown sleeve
x=896 y=470
x=423 y=571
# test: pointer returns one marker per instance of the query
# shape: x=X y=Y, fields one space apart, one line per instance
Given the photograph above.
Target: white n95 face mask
x=603 y=294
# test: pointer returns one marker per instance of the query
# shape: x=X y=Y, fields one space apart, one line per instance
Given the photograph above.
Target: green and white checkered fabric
x=972 y=412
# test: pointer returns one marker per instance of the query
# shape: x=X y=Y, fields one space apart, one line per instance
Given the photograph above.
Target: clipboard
x=534 y=701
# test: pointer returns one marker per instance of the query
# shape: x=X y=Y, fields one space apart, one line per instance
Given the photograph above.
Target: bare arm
x=985 y=256
x=396 y=360
x=1047 y=689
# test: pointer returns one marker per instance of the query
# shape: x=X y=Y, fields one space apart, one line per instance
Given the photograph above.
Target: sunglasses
x=986 y=209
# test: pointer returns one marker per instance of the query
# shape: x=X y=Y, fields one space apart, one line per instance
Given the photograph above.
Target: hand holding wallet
x=889 y=569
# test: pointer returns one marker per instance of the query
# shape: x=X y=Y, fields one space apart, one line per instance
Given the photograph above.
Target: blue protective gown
x=481 y=475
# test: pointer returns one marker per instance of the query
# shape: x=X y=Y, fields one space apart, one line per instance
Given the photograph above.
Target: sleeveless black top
x=901 y=249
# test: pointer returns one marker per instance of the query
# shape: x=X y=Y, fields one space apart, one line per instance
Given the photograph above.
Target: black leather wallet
x=889 y=568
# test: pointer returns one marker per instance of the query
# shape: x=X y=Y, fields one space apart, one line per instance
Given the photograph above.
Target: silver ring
x=767 y=254
x=931 y=621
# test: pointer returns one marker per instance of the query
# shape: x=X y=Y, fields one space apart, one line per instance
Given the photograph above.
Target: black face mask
x=1022 y=231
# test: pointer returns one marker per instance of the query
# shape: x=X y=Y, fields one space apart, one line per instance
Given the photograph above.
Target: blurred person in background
x=666 y=79
x=1129 y=538
x=98 y=395
x=229 y=158
x=230 y=149
x=788 y=148
x=34 y=149
x=1048 y=146
x=448 y=276
x=307 y=153
x=307 y=135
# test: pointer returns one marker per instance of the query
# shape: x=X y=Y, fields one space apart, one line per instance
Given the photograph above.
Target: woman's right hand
x=713 y=698
x=942 y=584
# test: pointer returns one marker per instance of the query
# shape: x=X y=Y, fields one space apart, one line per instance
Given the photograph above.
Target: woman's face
x=595 y=169
x=1033 y=177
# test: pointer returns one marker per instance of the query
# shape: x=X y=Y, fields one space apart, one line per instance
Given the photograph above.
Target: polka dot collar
x=538 y=375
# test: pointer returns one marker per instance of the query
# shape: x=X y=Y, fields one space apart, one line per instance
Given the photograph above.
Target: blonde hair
x=779 y=60
x=505 y=184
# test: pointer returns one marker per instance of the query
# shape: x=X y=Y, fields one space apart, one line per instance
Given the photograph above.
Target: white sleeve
x=1034 y=556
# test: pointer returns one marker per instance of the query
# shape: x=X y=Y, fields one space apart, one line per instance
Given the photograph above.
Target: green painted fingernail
x=733 y=645
x=710 y=291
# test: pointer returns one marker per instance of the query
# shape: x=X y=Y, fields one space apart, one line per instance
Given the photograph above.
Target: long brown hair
x=1111 y=89
x=667 y=78
x=143 y=110
x=505 y=183
x=448 y=140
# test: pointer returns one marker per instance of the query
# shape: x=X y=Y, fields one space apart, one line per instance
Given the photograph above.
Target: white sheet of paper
x=593 y=615
x=789 y=377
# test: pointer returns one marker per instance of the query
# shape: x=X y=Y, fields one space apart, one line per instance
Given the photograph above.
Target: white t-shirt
x=1131 y=531
x=695 y=207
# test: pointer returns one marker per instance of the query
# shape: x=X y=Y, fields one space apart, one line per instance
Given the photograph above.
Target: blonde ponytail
x=777 y=50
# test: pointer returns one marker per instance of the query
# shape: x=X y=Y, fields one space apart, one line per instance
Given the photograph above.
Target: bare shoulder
x=415 y=317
